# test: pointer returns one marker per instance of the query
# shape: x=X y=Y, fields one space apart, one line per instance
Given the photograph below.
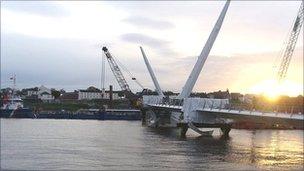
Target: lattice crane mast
x=133 y=98
x=116 y=71
x=282 y=72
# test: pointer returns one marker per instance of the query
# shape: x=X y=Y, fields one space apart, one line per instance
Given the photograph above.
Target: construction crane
x=121 y=79
x=282 y=72
x=116 y=71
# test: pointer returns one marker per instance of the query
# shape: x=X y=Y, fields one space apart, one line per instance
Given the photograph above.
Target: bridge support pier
x=143 y=117
x=225 y=129
x=183 y=130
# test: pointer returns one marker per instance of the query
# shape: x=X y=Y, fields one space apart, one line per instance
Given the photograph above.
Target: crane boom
x=116 y=71
x=291 y=44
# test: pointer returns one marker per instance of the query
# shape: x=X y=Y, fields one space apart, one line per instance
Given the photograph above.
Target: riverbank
x=88 y=114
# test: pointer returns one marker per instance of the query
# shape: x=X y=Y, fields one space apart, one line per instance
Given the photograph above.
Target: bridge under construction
x=184 y=112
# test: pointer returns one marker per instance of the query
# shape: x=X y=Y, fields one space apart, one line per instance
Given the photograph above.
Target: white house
x=32 y=92
x=42 y=93
x=46 y=97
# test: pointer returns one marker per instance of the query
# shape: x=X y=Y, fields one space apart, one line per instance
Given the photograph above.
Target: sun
x=273 y=93
x=272 y=89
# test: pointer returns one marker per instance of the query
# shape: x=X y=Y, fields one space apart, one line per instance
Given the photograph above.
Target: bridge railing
x=217 y=104
x=152 y=99
x=287 y=109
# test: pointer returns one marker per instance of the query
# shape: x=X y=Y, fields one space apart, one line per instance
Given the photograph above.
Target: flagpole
x=14 y=81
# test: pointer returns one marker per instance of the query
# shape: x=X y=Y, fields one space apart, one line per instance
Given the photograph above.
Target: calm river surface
x=94 y=145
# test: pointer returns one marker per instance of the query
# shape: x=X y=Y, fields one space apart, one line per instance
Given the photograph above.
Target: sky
x=58 y=44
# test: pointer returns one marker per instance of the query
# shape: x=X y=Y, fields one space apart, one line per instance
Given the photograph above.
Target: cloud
x=238 y=72
x=51 y=62
x=49 y=9
x=42 y=47
x=161 y=45
x=148 y=23
x=143 y=39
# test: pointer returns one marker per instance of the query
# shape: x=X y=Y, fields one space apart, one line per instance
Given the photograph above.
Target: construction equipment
x=116 y=71
x=134 y=99
x=282 y=72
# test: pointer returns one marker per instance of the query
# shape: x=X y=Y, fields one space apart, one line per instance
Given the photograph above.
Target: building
x=31 y=91
x=237 y=97
x=41 y=93
x=219 y=95
x=90 y=95
x=250 y=98
x=46 y=97
x=69 y=96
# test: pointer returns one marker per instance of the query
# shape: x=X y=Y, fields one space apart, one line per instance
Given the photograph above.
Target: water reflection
x=95 y=145
x=269 y=149
x=260 y=149
x=168 y=150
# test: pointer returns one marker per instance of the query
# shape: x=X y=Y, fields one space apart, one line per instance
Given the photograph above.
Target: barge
x=93 y=114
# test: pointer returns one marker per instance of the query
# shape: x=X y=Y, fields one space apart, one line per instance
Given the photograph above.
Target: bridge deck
x=237 y=112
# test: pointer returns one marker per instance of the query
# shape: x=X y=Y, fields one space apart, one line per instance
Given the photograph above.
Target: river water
x=34 y=144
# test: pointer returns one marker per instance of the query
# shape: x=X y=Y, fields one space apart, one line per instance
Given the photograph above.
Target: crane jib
x=287 y=55
x=116 y=71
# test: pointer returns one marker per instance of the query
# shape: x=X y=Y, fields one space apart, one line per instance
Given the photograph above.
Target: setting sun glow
x=272 y=89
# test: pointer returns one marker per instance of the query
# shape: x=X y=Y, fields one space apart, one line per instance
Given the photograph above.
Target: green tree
x=93 y=89
x=55 y=93
x=168 y=93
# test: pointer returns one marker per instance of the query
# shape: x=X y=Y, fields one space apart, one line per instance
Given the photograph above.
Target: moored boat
x=12 y=107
